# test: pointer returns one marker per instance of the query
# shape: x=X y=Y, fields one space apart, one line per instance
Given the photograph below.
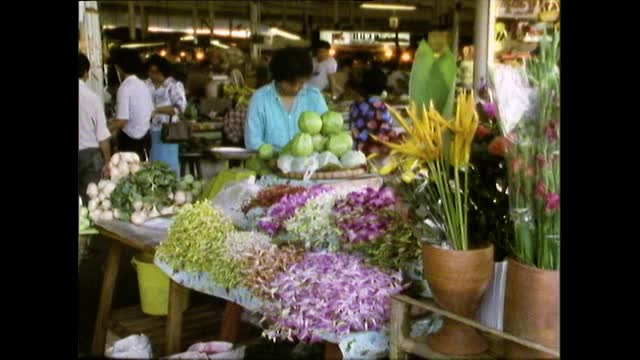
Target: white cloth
x=92 y=123
x=134 y=104
x=170 y=93
x=321 y=71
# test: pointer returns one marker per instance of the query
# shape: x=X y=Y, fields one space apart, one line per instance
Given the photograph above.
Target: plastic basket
x=153 y=285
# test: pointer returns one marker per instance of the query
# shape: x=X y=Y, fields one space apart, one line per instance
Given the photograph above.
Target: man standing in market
x=94 y=148
x=134 y=106
x=324 y=66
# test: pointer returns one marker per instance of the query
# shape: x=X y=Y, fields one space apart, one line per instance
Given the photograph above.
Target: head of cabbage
x=302 y=145
x=310 y=123
x=332 y=123
x=319 y=142
x=340 y=143
x=328 y=161
x=352 y=159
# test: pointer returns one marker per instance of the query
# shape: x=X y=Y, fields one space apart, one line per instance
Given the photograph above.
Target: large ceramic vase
x=458 y=280
x=532 y=309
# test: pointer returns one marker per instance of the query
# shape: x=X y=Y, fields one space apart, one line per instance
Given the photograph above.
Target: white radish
x=106 y=215
x=170 y=196
x=102 y=184
x=115 y=174
x=154 y=213
x=115 y=159
x=92 y=190
x=138 y=218
x=95 y=214
x=116 y=213
x=180 y=197
x=110 y=187
x=106 y=204
x=123 y=169
x=134 y=167
x=137 y=206
x=166 y=210
x=102 y=197
x=93 y=204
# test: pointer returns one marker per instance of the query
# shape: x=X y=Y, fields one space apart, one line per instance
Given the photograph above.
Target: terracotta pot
x=457 y=279
x=532 y=309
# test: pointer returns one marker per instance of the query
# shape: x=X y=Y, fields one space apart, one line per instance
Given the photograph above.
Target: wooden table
x=401 y=344
x=146 y=240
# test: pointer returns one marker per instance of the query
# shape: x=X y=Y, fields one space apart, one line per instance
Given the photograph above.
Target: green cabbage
x=266 y=151
x=319 y=142
x=302 y=145
x=310 y=123
x=332 y=123
x=340 y=143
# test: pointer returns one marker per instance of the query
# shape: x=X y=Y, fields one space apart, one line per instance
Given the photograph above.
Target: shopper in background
x=169 y=100
x=133 y=106
x=398 y=80
x=94 y=148
x=274 y=109
x=324 y=66
x=341 y=79
x=369 y=115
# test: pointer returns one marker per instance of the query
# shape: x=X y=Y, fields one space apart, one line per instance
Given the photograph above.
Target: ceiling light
x=163 y=52
x=332 y=52
x=218 y=44
x=375 y=6
x=406 y=56
x=141 y=45
x=284 y=34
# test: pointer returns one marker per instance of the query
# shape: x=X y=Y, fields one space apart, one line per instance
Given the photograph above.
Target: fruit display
x=319 y=146
x=240 y=95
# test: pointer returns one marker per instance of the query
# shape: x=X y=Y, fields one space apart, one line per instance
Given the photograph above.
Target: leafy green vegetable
x=152 y=185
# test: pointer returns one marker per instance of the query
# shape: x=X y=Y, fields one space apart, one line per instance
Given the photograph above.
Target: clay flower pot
x=531 y=309
x=458 y=280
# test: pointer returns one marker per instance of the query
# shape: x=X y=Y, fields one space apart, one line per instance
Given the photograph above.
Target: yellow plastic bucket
x=153 y=285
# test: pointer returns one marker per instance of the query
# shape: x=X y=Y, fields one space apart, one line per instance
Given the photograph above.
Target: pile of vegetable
x=321 y=144
x=271 y=195
x=84 y=223
x=262 y=265
x=147 y=194
x=196 y=242
x=313 y=225
x=100 y=205
x=239 y=94
x=123 y=164
x=395 y=249
x=349 y=296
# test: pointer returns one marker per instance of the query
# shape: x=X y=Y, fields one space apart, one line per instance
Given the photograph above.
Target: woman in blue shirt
x=274 y=109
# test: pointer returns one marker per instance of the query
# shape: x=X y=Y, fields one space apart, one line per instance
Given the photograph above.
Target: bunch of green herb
x=196 y=243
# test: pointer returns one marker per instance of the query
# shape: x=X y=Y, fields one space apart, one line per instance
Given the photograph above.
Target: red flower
x=498 y=146
x=541 y=160
x=530 y=171
x=482 y=132
x=515 y=165
x=551 y=131
x=540 y=190
x=553 y=201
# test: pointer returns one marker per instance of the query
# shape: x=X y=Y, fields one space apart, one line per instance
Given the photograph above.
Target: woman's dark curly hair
x=291 y=63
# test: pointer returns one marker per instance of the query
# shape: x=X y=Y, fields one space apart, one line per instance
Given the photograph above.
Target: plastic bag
x=237 y=354
x=232 y=196
x=190 y=355
x=132 y=347
x=212 y=347
x=491 y=311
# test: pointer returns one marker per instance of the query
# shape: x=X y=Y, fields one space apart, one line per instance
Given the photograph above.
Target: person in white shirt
x=169 y=100
x=94 y=148
x=133 y=106
x=324 y=66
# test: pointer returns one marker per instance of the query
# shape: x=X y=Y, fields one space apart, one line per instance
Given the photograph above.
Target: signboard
x=335 y=37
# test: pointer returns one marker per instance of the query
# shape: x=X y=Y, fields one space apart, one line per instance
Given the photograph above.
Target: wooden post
x=106 y=297
x=335 y=14
x=144 y=22
x=194 y=21
x=481 y=42
x=332 y=352
x=211 y=16
x=230 y=327
x=456 y=28
x=177 y=300
x=399 y=329
x=254 y=27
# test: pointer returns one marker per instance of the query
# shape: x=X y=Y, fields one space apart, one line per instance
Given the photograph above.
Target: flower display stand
x=402 y=344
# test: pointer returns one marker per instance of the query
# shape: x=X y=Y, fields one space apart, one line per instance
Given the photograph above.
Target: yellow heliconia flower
x=464 y=128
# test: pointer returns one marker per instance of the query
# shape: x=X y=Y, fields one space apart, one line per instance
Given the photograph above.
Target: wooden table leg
x=230 y=328
x=332 y=352
x=177 y=300
x=106 y=297
x=399 y=329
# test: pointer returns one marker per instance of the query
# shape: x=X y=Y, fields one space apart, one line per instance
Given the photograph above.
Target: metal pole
x=456 y=28
x=132 y=20
x=351 y=12
x=481 y=42
x=253 y=14
x=144 y=22
x=212 y=16
x=335 y=13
